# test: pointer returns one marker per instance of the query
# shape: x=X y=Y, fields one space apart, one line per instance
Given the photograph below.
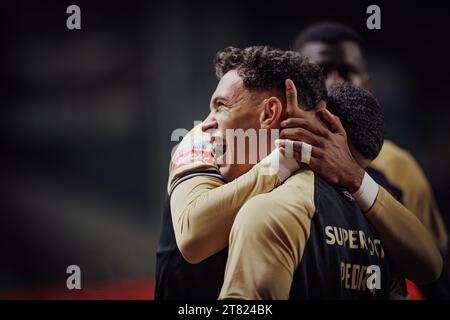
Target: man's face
x=233 y=107
x=341 y=62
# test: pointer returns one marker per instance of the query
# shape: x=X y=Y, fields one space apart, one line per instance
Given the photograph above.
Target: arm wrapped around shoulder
x=408 y=243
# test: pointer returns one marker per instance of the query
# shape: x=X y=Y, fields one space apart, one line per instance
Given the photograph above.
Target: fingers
x=297 y=149
x=333 y=121
x=291 y=98
x=300 y=134
x=311 y=124
x=313 y=162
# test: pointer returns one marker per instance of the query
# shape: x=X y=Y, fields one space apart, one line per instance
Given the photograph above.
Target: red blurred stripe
x=136 y=289
x=413 y=291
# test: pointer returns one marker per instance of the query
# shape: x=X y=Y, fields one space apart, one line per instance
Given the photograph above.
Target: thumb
x=291 y=97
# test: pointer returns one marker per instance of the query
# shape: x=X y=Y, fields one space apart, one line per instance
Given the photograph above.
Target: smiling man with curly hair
x=250 y=96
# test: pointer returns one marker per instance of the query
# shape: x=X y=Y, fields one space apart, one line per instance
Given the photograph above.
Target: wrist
x=353 y=179
x=366 y=195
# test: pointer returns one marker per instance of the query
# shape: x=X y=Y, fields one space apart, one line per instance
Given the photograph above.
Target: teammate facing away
x=338 y=50
x=317 y=244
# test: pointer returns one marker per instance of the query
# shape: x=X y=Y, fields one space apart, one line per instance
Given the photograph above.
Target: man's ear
x=271 y=114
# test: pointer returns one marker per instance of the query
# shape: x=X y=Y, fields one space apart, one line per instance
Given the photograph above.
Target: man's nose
x=209 y=123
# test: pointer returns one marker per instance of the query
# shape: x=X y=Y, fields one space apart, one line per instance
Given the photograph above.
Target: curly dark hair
x=361 y=116
x=263 y=68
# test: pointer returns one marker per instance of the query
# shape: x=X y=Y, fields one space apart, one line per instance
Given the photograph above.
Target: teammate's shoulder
x=399 y=167
x=303 y=178
x=297 y=188
x=394 y=160
x=296 y=193
x=393 y=153
x=289 y=204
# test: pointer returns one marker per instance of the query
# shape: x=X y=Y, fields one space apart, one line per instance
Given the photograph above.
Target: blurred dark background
x=87 y=117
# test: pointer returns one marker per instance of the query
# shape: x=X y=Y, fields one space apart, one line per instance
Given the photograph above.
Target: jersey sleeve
x=204 y=207
x=419 y=198
x=409 y=244
x=403 y=172
x=193 y=154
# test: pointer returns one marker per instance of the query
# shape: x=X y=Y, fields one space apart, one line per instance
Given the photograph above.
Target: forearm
x=409 y=244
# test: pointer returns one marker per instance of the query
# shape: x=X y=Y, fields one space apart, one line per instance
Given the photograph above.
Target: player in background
x=338 y=50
